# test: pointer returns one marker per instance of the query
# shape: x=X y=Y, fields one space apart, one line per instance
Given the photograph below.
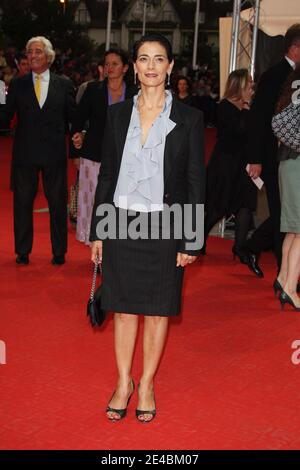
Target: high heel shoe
x=277 y=287
x=139 y=413
x=286 y=299
x=121 y=412
x=240 y=253
x=247 y=257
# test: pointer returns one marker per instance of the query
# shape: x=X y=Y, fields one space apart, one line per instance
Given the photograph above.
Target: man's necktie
x=37 y=87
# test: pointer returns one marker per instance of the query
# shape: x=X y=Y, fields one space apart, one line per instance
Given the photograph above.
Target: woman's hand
x=96 y=251
x=254 y=170
x=78 y=139
x=183 y=259
x=76 y=162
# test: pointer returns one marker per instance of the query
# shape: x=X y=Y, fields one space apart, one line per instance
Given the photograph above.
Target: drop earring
x=168 y=81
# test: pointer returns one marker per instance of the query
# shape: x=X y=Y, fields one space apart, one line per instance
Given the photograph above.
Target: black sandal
x=139 y=413
x=122 y=413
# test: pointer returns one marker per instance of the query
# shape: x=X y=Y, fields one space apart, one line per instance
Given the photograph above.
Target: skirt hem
x=135 y=310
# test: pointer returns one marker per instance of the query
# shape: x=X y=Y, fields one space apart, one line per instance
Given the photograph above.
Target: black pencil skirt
x=140 y=276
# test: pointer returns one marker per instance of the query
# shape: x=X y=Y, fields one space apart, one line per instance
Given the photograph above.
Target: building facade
x=173 y=18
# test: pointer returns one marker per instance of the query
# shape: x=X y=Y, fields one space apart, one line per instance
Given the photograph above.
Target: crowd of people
x=246 y=139
x=139 y=147
x=202 y=84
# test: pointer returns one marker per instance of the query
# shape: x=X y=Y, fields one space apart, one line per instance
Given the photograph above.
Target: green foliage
x=23 y=19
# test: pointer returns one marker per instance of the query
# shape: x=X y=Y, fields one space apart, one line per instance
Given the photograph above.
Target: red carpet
x=226 y=379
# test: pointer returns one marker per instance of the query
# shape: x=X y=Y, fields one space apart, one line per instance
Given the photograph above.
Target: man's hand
x=254 y=170
x=183 y=259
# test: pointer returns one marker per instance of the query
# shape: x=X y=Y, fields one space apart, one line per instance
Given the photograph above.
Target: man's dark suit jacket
x=40 y=132
x=92 y=108
x=262 y=144
x=184 y=170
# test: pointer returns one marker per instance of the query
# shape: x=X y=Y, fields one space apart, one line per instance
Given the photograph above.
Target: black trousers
x=268 y=234
x=26 y=179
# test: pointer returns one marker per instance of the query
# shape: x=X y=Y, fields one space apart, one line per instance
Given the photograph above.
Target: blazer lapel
x=173 y=140
x=51 y=91
x=122 y=125
x=103 y=92
x=29 y=90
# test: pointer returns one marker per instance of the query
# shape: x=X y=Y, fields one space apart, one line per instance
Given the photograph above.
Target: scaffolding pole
x=238 y=48
x=108 y=24
x=195 y=47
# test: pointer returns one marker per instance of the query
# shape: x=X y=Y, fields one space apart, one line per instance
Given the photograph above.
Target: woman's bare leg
x=287 y=243
x=293 y=271
x=126 y=326
x=155 y=332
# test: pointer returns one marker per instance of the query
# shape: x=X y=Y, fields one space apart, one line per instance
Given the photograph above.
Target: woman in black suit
x=152 y=158
x=229 y=187
x=91 y=111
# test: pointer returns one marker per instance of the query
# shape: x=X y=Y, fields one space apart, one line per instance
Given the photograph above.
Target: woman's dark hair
x=119 y=52
x=21 y=56
x=155 y=37
x=182 y=77
x=292 y=37
x=285 y=97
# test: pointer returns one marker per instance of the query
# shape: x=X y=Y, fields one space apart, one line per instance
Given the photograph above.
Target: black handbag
x=94 y=309
x=73 y=206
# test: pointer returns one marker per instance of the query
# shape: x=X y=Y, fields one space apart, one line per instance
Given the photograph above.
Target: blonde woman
x=229 y=187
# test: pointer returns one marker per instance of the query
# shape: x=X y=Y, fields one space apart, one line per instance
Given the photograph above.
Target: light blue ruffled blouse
x=140 y=185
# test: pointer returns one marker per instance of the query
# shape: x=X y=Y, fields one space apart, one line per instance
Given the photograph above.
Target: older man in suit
x=263 y=146
x=44 y=104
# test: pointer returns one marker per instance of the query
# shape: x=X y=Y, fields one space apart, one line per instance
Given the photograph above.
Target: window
x=82 y=15
x=167 y=15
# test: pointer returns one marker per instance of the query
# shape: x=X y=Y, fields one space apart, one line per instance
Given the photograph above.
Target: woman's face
x=248 y=90
x=182 y=86
x=152 y=64
x=114 y=67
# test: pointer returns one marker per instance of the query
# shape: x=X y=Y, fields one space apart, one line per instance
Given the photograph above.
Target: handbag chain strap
x=97 y=263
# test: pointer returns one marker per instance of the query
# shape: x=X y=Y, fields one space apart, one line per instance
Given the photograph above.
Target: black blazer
x=184 y=170
x=92 y=108
x=262 y=144
x=40 y=132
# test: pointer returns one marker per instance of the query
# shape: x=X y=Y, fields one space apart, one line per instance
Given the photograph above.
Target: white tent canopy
x=276 y=16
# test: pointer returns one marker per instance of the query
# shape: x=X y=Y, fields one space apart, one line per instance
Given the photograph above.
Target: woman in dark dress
x=230 y=190
x=152 y=159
